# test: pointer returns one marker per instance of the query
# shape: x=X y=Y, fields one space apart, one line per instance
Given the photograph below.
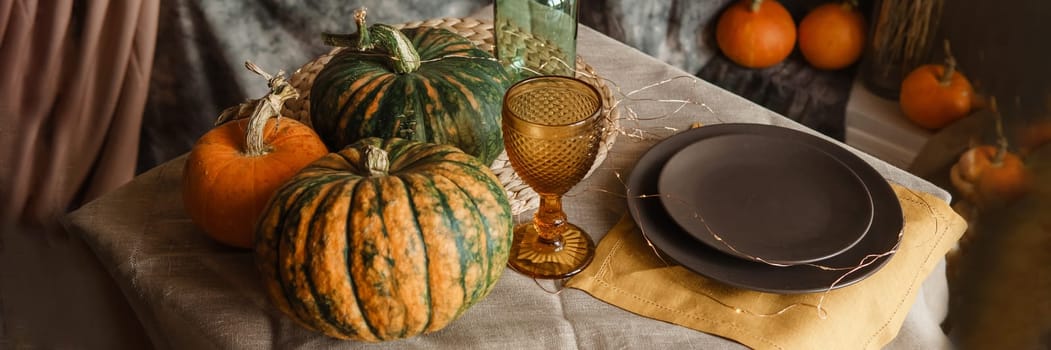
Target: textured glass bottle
x=536 y=37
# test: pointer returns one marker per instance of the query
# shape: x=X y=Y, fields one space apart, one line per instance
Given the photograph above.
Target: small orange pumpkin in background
x=832 y=35
x=234 y=168
x=756 y=33
x=932 y=95
x=990 y=175
x=1036 y=133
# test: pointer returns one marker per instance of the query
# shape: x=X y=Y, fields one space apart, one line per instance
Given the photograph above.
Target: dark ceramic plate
x=763 y=198
x=680 y=246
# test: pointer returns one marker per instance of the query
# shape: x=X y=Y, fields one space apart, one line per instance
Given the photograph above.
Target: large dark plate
x=764 y=198
x=646 y=208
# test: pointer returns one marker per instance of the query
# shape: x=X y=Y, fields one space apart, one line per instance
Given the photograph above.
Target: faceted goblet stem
x=550 y=220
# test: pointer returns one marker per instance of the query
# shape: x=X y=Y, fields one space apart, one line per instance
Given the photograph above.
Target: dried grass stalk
x=904 y=34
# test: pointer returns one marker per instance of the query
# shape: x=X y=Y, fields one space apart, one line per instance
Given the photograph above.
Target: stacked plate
x=765 y=208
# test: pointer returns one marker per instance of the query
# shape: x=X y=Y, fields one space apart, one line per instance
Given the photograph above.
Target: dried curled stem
x=1001 y=140
x=262 y=108
x=754 y=7
x=950 y=66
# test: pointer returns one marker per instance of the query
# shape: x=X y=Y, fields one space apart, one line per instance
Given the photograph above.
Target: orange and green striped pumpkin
x=425 y=84
x=386 y=239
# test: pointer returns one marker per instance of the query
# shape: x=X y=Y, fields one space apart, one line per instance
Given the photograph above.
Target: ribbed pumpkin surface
x=385 y=256
x=452 y=98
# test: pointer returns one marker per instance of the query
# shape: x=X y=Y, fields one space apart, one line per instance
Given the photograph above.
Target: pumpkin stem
x=950 y=66
x=403 y=55
x=364 y=40
x=850 y=5
x=1001 y=141
x=266 y=107
x=375 y=160
x=360 y=40
x=755 y=5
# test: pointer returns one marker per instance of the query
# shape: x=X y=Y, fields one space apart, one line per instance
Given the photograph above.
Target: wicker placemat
x=522 y=197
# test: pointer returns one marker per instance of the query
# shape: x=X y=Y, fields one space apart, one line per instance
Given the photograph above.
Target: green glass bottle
x=536 y=37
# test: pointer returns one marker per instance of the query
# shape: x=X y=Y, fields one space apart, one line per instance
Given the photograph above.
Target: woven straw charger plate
x=522 y=197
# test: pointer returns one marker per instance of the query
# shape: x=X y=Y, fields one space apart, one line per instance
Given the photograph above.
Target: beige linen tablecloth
x=191 y=293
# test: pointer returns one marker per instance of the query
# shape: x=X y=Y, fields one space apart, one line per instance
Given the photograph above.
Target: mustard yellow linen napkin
x=867 y=315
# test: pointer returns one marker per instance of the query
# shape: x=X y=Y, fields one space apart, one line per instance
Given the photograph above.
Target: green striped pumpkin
x=385 y=239
x=425 y=84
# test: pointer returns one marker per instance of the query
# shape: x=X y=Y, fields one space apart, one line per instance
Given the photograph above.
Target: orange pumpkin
x=756 y=33
x=1037 y=132
x=990 y=175
x=1033 y=136
x=832 y=35
x=234 y=168
x=1004 y=180
x=932 y=96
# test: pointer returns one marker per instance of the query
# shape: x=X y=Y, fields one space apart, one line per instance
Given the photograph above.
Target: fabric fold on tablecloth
x=628 y=274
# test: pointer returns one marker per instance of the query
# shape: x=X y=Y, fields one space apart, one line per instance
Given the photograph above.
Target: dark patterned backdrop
x=199 y=70
x=202 y=45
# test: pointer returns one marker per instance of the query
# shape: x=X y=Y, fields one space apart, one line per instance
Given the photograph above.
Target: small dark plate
x=659 y=228
x=763 y=198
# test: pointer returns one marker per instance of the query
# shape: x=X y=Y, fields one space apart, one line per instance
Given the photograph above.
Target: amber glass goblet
x=552 y=129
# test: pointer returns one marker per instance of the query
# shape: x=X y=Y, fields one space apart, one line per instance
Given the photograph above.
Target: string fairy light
x=625 y=101
x=625 y=109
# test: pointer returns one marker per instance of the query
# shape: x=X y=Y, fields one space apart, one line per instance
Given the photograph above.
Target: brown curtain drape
x=74 y=82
